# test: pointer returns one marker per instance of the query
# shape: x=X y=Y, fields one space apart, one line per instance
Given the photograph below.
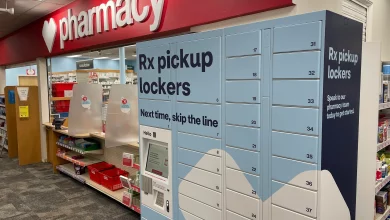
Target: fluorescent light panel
x=101 y=58
x=73 y=56
x=133 y=45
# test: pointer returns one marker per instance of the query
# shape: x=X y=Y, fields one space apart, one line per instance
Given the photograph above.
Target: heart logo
x=49 y=31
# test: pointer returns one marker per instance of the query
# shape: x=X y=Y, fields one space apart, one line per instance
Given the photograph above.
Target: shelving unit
x=80 y=151
x=86 y=161
x=383 y=145
x=384 y=215
x=382 y=183
x=84 y=178
x=3 y=127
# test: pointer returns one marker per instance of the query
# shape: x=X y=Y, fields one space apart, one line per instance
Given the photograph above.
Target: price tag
x=127 y=159
x=126 y=199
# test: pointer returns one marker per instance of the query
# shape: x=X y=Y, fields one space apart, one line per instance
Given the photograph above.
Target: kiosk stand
x=258 y=121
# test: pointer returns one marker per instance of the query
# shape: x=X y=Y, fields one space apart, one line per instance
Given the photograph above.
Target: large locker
x=262 y=117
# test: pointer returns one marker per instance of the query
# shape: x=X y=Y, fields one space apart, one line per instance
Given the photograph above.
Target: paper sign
x=30 y=72
x=68 y=93
x=11 y=97
x=85 y=102
x=127 y=159
x=23 y=112
x=23 y=93
x=126 y=199
x=125 y=106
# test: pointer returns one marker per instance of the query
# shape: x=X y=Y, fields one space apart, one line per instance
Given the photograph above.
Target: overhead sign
x=86 y=24
x=84 y=64
x=123 y=13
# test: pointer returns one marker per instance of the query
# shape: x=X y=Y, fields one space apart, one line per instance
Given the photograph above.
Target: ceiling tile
x=22 y=6
x=60 y=2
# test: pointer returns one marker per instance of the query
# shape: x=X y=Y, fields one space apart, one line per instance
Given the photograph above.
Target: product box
x=381 y=198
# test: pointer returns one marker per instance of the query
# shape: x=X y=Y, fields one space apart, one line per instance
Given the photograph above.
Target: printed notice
x=338 y=107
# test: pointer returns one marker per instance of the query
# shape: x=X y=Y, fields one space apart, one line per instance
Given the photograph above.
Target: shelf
x=60 y=98
x=384 y=215
x=2 y=105
x=65 y=132
x=382 y=145
x=99 y=135
x=384 y=105
x=81 y=162
x=381 y=184
x=80 y=151
x=84 y=178
x=3 y=117
x=6 y=147
x=3 y=128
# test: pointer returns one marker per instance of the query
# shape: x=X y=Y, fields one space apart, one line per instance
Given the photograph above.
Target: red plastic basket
x=58 y=89
x=95 y=169
x=110 y=178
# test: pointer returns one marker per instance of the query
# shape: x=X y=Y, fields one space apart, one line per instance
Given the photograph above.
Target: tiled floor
x=33 y=193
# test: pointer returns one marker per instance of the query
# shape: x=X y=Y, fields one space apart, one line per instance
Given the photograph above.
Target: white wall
x=12 y=74
x=301 y=7
x=379 y=30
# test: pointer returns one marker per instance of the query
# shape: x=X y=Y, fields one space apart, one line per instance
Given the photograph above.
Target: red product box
x=111 y=180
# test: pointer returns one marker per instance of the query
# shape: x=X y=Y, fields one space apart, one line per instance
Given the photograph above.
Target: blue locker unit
x=262 y=118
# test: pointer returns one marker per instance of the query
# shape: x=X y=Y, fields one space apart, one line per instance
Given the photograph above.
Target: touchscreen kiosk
x=156 y=169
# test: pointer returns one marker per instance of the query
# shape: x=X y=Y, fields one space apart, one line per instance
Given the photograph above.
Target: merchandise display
x=3 y=125
x=251 y=131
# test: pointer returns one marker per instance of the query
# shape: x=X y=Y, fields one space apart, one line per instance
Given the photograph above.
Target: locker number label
x=310 y=101
x=309 y=128
x=309 y=183
x=309 y=210
x=309 y=156
x=313 y=44
x=312 y=73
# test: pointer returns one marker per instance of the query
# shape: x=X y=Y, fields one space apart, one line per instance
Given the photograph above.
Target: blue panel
x=198 y=143
x=243 y=67
x=150 y=214
x=204 y=80
x=204 y=113
x=297 y=65
x=242 y=137
x=247 y=161
x=299 y=120
x=243 y=44
x=284 y=170
x=243 y=114
x=147 y=113
x=298 y=37
x=295 y=146
x=149 y=79
x=247 y=91
x=296 y=92
x=183 y=170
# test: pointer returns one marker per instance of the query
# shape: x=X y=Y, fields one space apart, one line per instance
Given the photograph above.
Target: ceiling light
x=73 y=56
x=135 y=55
x=133 y=45
x=101 y=58
x=116 y=59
